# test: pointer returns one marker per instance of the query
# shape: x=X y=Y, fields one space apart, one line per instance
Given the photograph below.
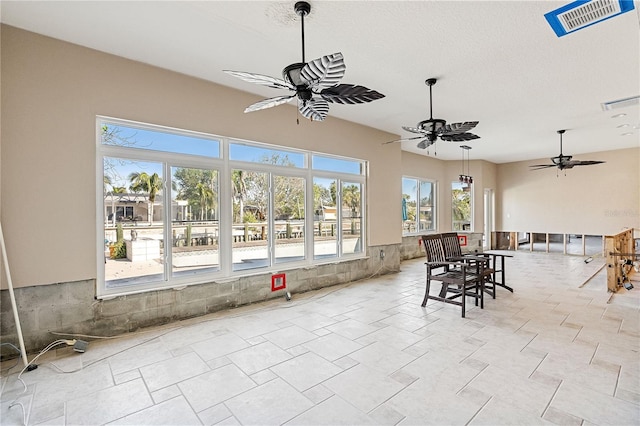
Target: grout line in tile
x=615 y=388
x=479 y=410
x=540 y=363
x=595 y=351
x=529 y=342
x=551 y=399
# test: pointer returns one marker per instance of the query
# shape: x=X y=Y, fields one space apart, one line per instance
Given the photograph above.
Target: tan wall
x=51 y=94
x=597 y=200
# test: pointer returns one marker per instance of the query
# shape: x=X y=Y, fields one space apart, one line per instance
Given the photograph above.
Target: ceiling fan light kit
x=314 y=83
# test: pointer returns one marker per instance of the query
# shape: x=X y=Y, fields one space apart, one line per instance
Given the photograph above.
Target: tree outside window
x=461 y=207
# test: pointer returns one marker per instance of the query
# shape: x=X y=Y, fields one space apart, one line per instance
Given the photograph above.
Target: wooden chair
x=459 y=279
x=493 y=271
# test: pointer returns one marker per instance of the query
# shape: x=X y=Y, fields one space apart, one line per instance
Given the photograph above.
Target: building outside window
x=176 y=211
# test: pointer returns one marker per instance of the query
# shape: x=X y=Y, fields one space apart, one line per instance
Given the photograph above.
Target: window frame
x=471 y=206
x=434 y=206
x=223 y=165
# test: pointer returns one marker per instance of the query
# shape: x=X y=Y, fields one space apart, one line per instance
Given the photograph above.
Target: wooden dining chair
x=459 y=280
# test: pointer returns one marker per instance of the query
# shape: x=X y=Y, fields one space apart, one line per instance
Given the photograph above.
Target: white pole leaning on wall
x=5 y=262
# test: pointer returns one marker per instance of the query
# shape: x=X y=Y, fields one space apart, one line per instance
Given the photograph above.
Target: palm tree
x=150 y=184
x=351 y=198
x=239 y=187
x=107 y=182
x=205 y=193
x=461 y=206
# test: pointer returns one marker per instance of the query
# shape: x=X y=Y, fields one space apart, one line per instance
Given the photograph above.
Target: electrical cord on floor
x=11 y=345
x=67 y=342
x=29 y=367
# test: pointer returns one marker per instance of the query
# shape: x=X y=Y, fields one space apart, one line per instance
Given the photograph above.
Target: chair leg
x=426 y=293
x=493 y=279
x=464 y=300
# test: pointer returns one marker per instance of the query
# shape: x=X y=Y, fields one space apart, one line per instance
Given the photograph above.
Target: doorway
x=489 y=219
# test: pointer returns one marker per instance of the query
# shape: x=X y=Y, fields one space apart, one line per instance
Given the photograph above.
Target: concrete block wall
x=72 y=308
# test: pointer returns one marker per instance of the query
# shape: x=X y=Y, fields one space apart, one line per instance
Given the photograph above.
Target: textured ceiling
x=497 y=62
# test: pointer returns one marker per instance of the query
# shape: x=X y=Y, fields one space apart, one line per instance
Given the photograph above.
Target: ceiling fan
x=429 y=130
x=315 y=83
x=564 y=162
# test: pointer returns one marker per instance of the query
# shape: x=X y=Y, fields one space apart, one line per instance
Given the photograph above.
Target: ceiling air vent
x=620 y=103
x=583 y=13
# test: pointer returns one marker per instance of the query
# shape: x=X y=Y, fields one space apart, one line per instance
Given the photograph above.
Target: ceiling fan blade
x=404 y=139
x=314 y=109
x=585 y=162
x=414 y=130
x=542 y=166
x=459 y=137
x=424 y=144
x=453 y=128
x=350 y=94
x=269 y=103
x=265 y=80
x=325 y=71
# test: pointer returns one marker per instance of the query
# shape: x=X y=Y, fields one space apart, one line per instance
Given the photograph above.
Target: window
x=166 y=221
x=461 y=207
x=259 y=154
x=351 y=218
x=325 y=240
x=418 y=205
x=289 y=221
x=195 y=221
x=250 y=226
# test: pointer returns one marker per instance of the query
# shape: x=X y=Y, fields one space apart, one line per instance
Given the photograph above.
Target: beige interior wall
x=51 y=94
x=596 y=200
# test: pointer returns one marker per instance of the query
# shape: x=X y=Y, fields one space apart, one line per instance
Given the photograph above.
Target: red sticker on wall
x=278 y=282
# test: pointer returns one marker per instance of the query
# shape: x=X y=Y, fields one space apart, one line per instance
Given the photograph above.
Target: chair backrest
x=451 y=245
x=433 y=247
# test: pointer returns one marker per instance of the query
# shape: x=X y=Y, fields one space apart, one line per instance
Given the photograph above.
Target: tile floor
x=557 y=351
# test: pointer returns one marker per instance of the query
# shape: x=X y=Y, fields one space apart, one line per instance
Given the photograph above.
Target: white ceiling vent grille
x=620 y=103
x=581 y=14
x=588 y=13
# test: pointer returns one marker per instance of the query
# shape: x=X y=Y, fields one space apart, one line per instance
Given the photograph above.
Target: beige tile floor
x=557 y=351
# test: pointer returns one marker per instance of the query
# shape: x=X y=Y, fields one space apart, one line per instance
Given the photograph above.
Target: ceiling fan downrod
x=560 y=132
x=430 y=82
x=302 y=8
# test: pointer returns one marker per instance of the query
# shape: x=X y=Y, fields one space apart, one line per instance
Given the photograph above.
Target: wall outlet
x=381 y=254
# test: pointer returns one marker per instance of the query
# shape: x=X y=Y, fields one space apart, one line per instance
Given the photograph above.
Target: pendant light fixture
x=465 y=178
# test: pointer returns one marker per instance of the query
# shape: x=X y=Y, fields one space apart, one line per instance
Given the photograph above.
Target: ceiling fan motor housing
x=291 y=74
x=561 y=159
x=432 y=125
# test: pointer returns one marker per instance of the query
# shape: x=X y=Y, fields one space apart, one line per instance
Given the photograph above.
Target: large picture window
x=176 y=211
x=418 y=205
